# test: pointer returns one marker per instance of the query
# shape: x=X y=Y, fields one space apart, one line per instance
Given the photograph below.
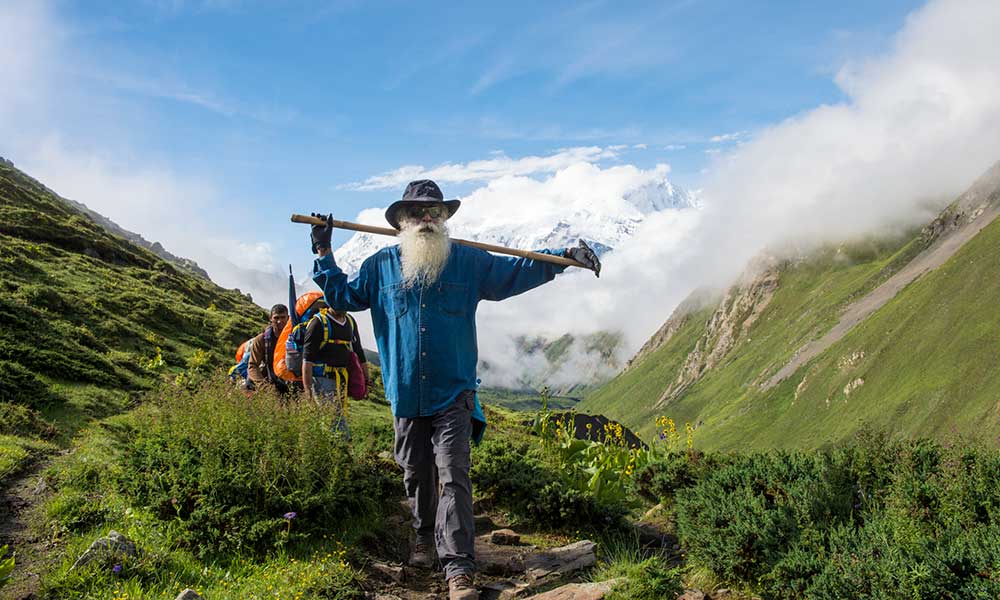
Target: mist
x=917 y=126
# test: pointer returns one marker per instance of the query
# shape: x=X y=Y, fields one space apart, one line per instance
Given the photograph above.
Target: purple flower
x=290 y=515
x=663 y=436
x=116 y=569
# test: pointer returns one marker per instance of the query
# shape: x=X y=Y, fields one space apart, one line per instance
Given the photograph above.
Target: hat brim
x=392 y=213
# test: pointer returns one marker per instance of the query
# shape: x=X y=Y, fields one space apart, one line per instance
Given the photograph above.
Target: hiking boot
x=422 y=556
x=461 y=587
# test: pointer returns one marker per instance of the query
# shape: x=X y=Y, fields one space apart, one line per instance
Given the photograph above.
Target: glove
x=586 y=256
x=321 y=234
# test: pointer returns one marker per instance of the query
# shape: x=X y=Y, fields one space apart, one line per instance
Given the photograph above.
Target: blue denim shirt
x=426 y=335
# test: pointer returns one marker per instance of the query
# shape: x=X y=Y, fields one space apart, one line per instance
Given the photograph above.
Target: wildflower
x=116 y=569
x=289 y=516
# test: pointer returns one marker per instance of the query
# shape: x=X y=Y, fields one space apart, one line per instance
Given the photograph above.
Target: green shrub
x=231 y=469
x=18 y=385
x=6 y=565
x=668 y=473
x=741 y=519
x=514 y=478
x=16 y=419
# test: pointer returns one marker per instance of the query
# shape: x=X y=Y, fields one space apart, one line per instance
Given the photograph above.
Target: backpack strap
x=326 y=319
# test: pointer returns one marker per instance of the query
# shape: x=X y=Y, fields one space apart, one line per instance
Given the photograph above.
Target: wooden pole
x=559 y=260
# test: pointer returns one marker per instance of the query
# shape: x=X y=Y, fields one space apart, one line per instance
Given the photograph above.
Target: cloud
x=107 y=173
x=487 y=169
x=918 y=125
x=728 y=137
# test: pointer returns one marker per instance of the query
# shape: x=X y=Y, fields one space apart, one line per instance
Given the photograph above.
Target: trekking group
x=423 y=294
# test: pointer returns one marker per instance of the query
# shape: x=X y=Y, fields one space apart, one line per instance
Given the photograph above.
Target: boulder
x=390 y=572
x=505 y=537
x=114 y=545
x=579 y=591
x=562 y=560
x=188 y=594
x=692 y=595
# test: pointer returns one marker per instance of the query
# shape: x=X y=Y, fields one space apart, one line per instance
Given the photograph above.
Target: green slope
x=808 y=301
x=927 y=359
x=87 y=317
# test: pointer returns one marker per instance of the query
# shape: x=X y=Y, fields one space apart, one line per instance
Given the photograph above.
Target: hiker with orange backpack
x=260 y=369
x=331 y=351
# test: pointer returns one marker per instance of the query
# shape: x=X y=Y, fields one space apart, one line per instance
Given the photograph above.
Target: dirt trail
x=17 y=499
x=978 y=207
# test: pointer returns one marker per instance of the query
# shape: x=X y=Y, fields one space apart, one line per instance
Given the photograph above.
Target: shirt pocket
x=393 y=299
x=453 y=299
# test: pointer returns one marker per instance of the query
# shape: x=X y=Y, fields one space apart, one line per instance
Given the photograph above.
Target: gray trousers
x=435 y=450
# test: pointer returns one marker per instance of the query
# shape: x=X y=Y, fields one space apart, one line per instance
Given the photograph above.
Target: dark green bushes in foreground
x=517 y=479
x=877 y=519
x=244 y=473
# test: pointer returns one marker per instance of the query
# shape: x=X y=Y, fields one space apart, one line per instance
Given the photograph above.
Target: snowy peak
x=604 y=220
x=659 y=195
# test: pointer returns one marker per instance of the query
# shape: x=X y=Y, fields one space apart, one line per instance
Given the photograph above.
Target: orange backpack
x=304 y=309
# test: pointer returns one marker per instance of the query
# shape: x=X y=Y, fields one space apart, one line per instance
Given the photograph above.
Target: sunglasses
x=418 y=212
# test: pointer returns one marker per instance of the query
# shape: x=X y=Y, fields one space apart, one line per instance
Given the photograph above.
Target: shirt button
x=422 y=329
x=423 y=306
x=423 y=354
x=423 y=377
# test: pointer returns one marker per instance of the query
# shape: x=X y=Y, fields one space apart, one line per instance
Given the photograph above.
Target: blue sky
x=280 y=107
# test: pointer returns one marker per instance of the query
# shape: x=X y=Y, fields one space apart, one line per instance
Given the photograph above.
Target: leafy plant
x=6 y=566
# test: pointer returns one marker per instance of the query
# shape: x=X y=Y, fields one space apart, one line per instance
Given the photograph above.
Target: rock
x=692 y=595
x=391 y=572
x=188 y=594
x=498 y=563
x=505 y=589
x=115 y=544
x=505 y=537
x=653 y=512
x=565 y=559
x=579 y=591
x=484 y=523
x=721 y=594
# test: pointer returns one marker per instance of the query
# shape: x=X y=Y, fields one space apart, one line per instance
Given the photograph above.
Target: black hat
x=420 y=192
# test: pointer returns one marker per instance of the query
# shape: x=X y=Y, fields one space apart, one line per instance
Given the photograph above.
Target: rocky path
x=509 y=567
x=32 y=553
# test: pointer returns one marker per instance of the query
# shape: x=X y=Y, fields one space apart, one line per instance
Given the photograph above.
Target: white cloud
x=919 y=124
x=674 y=147
x=181 y=211
x=728 y=137
x=488 y=169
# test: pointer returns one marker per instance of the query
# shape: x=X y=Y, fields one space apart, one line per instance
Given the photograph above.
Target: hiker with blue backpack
x=423 y=295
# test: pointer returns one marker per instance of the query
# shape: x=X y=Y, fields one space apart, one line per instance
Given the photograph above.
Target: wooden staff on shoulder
x=559 y=260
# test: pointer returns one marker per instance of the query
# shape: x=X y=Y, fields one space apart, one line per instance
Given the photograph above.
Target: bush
x=16 y=419
x=239 y=472
x=18 y=385
x=515 y=478
x=743 y=518
x=666 y=474
x=877 y=519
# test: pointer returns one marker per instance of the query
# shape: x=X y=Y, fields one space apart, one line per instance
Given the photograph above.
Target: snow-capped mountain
x=548 y=222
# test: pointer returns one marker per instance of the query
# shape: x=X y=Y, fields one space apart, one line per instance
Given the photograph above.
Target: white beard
x=423 y=251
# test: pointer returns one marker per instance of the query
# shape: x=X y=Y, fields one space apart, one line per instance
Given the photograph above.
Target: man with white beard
x=423 y=296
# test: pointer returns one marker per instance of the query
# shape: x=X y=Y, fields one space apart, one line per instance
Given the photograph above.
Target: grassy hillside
x=88 y=318
x=810 y=296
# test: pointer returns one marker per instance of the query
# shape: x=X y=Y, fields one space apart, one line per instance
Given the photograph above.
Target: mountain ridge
x=731 y=389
